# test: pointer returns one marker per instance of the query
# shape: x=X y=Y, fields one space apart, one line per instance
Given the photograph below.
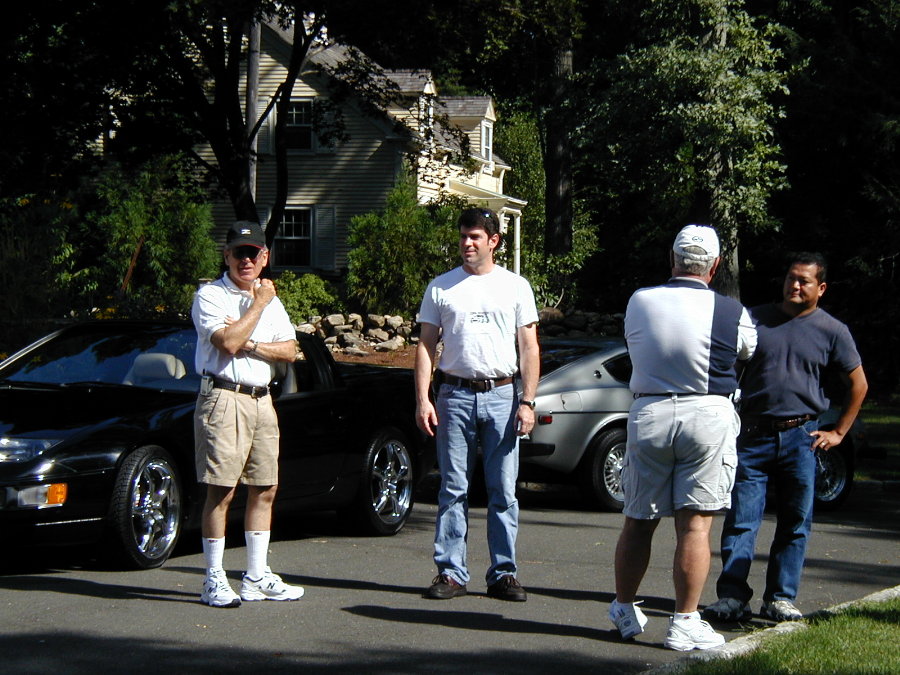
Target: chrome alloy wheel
x=612 y=471
x=155 y=508
x=390 y=481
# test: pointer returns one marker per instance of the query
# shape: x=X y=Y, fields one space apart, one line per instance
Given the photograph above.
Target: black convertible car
x=96 y=439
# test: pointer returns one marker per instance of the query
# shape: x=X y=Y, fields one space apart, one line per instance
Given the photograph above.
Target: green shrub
x=395 y=253
x=306 y=296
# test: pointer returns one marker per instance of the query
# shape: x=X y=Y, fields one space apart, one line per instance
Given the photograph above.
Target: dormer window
x=487 y=144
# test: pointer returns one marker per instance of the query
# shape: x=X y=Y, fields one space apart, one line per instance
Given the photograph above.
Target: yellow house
x=330 y=184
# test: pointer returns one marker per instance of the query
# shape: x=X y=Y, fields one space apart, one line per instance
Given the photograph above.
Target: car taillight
x=545 y=419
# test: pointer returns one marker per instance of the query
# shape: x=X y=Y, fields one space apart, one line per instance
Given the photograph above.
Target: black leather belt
x=479 y=386
x=778 y=423
x=255 y=392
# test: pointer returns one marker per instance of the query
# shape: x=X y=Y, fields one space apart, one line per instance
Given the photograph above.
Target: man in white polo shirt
x=684 y=340
x=241 y=328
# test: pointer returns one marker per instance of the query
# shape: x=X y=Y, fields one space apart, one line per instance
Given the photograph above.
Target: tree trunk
x=558 y=160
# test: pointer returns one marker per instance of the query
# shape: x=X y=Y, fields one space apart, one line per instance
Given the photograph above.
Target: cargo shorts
x=236 y=439
x=681 y=454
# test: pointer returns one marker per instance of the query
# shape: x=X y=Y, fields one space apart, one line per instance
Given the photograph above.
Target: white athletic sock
x=213 y=552
x=257 y=553
x=679 y=616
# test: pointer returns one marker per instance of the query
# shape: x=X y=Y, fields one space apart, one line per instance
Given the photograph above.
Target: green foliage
x=306 y=296
x=144 y=248
x=34 y=253
x=396 y=252
x=553 y=277
x=680 y=127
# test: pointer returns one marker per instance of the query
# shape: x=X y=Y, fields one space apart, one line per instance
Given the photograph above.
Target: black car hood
x=63 y=411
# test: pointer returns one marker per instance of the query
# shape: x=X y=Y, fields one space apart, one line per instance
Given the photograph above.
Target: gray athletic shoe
x=728 y=609
x=781 y=610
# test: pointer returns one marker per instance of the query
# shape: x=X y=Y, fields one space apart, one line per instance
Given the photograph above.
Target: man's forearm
x=272 y=351
x=853 y=401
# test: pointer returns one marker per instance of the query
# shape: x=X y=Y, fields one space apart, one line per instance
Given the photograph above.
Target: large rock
x=394 y=322
x=356 y=321
x=577 y=320
x=378 y=334
x=550 y=315
x=391 y=345
x=351 y=340
x=334 y=320
x=375 y=320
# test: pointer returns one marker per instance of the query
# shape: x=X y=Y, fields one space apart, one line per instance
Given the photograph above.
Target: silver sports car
x=582 y=410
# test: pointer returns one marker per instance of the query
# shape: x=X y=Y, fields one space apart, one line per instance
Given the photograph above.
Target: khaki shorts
x=235 y=439
x=681 y=454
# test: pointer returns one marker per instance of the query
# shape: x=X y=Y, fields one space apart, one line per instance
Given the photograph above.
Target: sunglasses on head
x=249 y=252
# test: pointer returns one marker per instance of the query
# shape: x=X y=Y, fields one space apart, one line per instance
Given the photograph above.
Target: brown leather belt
x=779 y=423
x=479 y=386
x=255 y=392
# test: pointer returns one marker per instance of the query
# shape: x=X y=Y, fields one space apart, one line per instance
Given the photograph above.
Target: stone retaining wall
x=357 y=334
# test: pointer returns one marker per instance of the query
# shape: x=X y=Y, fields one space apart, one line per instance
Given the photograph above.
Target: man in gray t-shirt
x=783 y=396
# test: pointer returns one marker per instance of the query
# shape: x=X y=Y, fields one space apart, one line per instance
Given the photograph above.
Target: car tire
x=145 y=513
x=385 y=497
x=834 y=477
x=600 y=470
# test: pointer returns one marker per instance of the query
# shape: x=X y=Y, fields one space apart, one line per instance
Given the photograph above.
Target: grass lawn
x=883 y=431
x=863 y=639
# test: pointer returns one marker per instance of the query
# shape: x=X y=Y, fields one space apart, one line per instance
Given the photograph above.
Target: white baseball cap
x=702 y=236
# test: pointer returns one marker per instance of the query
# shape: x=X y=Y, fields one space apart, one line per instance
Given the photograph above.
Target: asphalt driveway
x=363 y=611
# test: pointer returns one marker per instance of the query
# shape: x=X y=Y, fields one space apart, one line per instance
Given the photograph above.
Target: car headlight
x=24 y=449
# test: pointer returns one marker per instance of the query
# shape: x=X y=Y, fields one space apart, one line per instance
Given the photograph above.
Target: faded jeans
x=466 y=421
x=785 y=458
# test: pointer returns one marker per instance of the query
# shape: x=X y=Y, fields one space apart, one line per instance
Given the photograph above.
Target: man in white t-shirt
x=481 y=312
x=241 y=328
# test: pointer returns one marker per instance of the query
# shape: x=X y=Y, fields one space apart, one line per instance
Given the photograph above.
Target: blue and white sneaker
x=269 y=587
x=217 y=591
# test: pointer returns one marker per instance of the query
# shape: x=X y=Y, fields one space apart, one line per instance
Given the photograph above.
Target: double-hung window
x=293 y=243
x=299 y=125
x=305 y=239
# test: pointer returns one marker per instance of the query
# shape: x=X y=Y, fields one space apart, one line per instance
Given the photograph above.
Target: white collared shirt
x=219 y=299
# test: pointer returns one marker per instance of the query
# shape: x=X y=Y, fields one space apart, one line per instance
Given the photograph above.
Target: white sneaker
x=217 y=591
x=269 y=587
x=628 y=618
x=781 y=610
x=728 y=609
x=693 y=633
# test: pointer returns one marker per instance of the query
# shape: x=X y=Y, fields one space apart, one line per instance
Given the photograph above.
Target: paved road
x=363 y=611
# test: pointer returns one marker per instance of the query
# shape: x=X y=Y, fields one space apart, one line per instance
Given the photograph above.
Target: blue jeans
x=785 y=458
x=466 y=421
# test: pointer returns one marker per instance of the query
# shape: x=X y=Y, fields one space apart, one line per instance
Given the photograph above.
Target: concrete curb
x=747 y=643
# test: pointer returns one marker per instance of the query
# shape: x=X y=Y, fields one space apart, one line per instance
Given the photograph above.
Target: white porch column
x=517 y=242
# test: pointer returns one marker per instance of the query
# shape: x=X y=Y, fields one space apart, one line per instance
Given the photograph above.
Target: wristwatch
x=530 y=404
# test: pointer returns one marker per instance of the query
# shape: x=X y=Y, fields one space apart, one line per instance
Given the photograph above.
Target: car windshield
x=109 y=355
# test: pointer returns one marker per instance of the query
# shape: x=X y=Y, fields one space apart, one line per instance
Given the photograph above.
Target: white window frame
x=487 y=145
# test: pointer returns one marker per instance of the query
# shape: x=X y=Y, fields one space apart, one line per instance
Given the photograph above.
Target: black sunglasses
x=249 y=252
